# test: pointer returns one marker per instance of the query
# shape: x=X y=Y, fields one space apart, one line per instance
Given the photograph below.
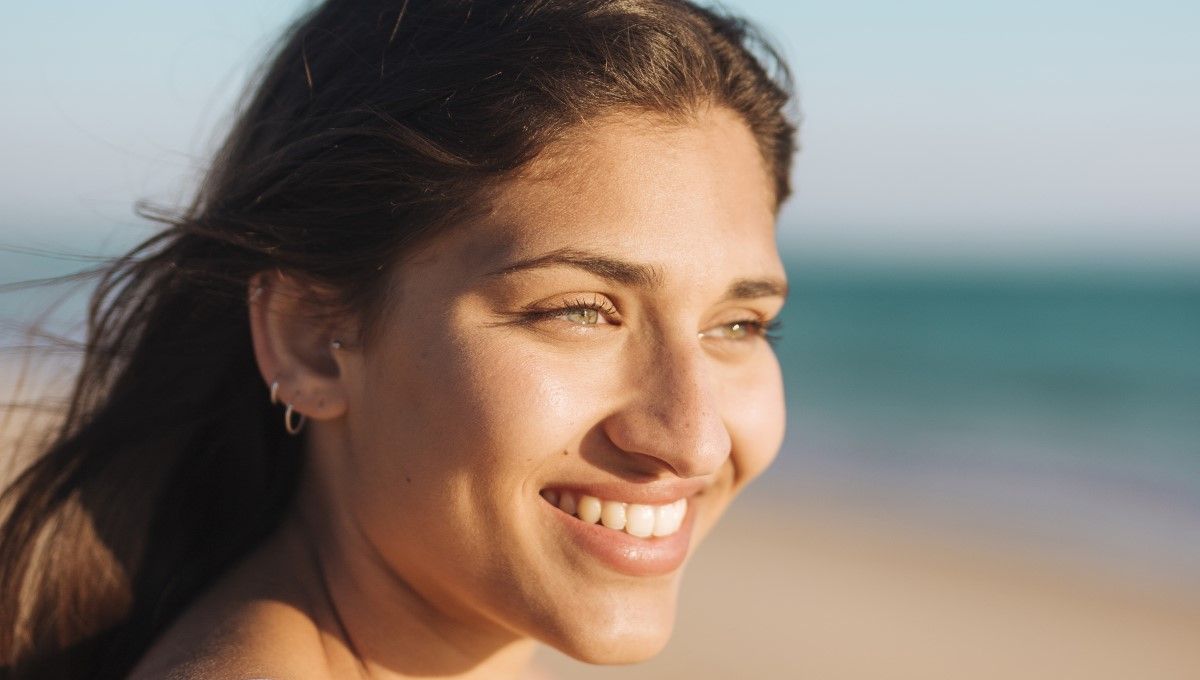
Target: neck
x=375 y=624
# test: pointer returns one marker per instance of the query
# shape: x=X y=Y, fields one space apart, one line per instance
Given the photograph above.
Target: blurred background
x=992 y=349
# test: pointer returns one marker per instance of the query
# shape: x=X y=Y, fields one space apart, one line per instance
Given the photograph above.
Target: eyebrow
x=635 y=274
x=748 y=289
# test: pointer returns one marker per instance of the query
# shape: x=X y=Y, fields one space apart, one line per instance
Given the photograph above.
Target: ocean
x=1060 y=405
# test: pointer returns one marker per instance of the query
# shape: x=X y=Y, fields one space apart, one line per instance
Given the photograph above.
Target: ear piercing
x=293 y=428
x=293 y=422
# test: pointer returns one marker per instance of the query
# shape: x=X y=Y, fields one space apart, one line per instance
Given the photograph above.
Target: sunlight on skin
x=600 y=328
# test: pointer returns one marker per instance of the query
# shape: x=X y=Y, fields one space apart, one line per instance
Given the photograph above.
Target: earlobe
x=298 y=346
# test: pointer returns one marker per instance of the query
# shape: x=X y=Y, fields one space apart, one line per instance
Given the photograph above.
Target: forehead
x=688 y=197
x=692 y=203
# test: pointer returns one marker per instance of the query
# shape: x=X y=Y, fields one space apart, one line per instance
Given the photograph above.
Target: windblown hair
x=374 y=125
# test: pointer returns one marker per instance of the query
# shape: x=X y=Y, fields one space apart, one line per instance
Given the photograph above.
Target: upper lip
x=647 y=493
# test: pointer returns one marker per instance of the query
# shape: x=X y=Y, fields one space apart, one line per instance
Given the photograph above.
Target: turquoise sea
x=1097 y=368
x=1061 y=405
x=1056 y=406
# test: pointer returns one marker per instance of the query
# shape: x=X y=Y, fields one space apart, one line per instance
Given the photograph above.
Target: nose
x=671 y=416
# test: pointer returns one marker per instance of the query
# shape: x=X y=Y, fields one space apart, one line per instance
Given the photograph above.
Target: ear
x=298 y=346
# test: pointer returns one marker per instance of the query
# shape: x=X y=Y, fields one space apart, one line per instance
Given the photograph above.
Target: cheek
x=756 y=416
x=477 y=402
x=448 y=437
x=542 y=392
x=524 y=401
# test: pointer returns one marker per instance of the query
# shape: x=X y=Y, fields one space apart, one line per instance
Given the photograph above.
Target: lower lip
x=628 y=554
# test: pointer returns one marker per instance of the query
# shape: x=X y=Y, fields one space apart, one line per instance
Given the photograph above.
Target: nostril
x=674 y=422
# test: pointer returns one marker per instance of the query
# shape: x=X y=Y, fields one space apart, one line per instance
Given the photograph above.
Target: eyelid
x=763 y=327
x=571 y=302
x=759 y=325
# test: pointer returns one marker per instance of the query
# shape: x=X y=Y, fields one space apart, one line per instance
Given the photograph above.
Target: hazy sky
x=952 y=128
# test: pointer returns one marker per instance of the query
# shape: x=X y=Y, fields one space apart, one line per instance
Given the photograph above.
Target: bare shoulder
x=228 y=635
x=250 y=624
x=258 y=639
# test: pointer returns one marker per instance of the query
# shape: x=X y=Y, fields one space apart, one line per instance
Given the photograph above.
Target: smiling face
x=594 y=342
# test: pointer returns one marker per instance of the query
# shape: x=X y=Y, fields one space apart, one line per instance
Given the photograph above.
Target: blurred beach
x=988 y=473
x=832 y=590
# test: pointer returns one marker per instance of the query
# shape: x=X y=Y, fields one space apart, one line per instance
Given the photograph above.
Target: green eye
x=579 y=311
x=743 y=330
x=738 y=330
x=583 y=316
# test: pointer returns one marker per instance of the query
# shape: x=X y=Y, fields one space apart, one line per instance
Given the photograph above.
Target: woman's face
x=597 y=333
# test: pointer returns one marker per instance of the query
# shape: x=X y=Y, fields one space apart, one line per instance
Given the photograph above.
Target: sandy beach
x=829 y=591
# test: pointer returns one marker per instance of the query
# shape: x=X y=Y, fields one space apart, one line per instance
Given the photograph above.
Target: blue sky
x=1055 y=129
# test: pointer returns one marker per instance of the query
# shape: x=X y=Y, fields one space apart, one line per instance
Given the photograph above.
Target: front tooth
x=589 y=509
x=669 y=517
x=664 y=520
x=612 y=515
x=681 y=506
x=640 y=520
x=566 y=502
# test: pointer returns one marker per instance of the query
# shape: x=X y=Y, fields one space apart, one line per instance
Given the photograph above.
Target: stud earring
x=275 y=392
x=336 y=344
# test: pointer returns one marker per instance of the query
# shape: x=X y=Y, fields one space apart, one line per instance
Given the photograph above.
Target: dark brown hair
x=374 y=125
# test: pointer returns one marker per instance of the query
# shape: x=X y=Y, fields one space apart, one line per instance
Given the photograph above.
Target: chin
x=611 y=635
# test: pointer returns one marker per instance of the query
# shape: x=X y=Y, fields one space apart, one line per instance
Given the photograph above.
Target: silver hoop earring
x=275 y=392
x=292 y=428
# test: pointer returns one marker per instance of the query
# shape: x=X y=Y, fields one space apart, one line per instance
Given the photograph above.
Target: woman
x=462 y=346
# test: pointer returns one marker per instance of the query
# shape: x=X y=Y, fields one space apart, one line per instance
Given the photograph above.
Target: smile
x=636 y=519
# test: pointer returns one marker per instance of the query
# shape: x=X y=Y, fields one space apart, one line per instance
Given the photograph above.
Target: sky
x=1058 y=130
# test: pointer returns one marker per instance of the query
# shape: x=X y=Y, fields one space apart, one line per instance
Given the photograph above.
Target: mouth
x=642 y=530
x=641 y=520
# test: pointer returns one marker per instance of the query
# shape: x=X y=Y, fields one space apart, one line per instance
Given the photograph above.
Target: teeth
x=566 y=502
x=612 y=515
x=667 y=518
x=639 y=520
x=634 y=519
x=589 y=509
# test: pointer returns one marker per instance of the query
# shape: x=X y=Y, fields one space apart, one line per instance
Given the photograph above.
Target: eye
x=584 y=316
x=578 y=311
x=744 y=330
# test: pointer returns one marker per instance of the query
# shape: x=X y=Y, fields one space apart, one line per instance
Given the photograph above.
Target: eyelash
x=768 y=330
x=602 y=306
